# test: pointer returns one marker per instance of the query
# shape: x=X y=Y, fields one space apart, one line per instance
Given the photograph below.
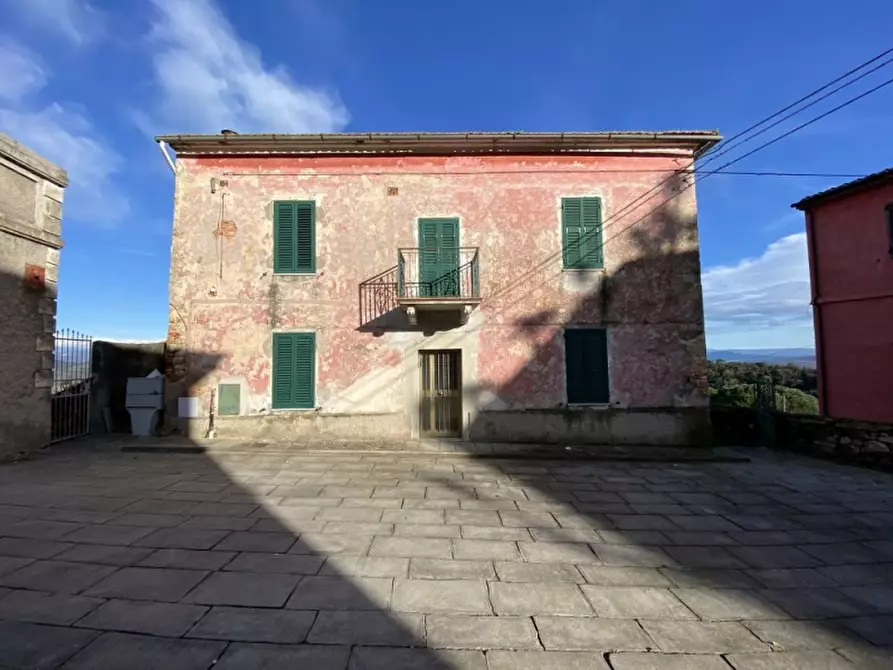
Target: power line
x=650 y=194
x=736 y=173
x=696 y=178
x=804 y=98
x=726 y=149
x=800 y=127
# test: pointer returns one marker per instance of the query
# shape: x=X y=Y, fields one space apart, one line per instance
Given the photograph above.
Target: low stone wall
x=735 y=427
x=585 y=425
x=288 y=425
x=857 y=442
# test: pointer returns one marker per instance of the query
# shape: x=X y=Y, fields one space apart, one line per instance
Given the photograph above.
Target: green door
x=439 y=257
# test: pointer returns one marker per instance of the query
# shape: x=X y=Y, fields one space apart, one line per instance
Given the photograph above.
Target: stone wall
x=113 y=363
x=31 y=190
x=856 y=442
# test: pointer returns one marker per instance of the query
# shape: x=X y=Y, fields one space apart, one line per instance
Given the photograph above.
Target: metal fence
x=72 y=376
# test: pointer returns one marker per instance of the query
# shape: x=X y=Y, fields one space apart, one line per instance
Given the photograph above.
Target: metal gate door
x=72 y=375
x=441 y=394
x=764 y=406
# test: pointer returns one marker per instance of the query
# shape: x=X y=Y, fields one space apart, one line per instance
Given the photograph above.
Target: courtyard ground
x=242 y=559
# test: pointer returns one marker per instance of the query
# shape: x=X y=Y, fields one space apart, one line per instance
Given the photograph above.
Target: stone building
x=486 y=286
x=31 y=191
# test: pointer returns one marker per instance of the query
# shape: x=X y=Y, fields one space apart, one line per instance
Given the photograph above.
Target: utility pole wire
x=697 y=177
x=726 y=149
x=801 y=127
x=650 y=193
x=804 y=98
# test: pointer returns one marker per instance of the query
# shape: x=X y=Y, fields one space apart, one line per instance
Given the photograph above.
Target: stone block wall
x=857 y=442
x=31 y=190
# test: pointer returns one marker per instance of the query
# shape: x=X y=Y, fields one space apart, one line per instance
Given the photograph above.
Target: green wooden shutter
x=294 y=357
x=449 y=258
x=429 y=256
x=284 y=235
x=581 y=226
x=305 y=351
x=294 y=236
x=586 y=362
x=592 y=233
x=572 y=231
x=305 y=245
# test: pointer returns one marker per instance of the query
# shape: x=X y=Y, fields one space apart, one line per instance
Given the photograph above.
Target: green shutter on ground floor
x=294 y=378
x=586 y=365
x=229 y=399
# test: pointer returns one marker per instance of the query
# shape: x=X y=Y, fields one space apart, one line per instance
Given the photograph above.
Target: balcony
x=444 y=279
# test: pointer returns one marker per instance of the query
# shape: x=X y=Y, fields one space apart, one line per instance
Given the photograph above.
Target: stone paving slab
x=383 y=560
x=139 y=652
x=385 y=658
x=658 y=661
x=49 y=608
x=152 y=618
x=591 y=634
x=187 y=559
x=160 y=584
x=276 y=657
x=384 y=629
x=790 y=660
x=636 y=602
x=245 y=589
x=56 y=576
x=481 y=632
x=251 y=624
x=537 y=598
x=545 y=660
x=28 y=645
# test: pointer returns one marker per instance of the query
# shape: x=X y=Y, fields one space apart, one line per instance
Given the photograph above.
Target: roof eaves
x=869 y=181
x=458 y=142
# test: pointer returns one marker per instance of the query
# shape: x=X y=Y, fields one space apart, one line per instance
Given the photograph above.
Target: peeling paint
x=648 y=295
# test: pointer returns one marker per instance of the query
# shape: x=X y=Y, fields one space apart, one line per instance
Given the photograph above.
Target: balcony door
x=439 y=258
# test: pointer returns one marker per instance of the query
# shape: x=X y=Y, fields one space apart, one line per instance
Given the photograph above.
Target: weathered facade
x=849 y=231
x=491 y=287
x=31 y=191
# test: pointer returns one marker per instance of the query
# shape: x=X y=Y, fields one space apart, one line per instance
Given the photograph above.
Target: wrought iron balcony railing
x=442 y=274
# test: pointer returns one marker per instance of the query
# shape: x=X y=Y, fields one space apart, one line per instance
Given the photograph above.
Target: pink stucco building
x=485 y=286
x=849 y=230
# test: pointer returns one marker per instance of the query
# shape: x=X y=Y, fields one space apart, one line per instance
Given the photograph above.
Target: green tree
x=734 y=395
x=795 y=401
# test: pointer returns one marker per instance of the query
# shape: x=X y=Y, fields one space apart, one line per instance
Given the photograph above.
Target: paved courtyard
x=409 y=560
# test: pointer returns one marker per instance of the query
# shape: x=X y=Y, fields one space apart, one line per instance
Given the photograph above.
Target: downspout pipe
x=162 y=146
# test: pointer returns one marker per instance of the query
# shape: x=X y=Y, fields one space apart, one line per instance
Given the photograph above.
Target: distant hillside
x=804 y=357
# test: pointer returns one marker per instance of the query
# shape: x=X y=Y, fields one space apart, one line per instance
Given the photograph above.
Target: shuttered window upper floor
x=294 y=236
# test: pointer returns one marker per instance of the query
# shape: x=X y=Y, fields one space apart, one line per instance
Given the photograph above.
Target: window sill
x=294 y=409
x=589 y=405
x=296 y=274
x=583 y=269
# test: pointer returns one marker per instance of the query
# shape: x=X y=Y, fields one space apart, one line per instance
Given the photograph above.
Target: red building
x=849 y=229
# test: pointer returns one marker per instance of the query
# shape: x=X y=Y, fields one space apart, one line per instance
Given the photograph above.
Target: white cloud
x=23 y=73
x=65 y=136
x=210 y=79
x=75 y=20
x=762 y=295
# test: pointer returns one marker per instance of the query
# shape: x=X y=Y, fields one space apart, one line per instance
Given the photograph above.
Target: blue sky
x=89 y=83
